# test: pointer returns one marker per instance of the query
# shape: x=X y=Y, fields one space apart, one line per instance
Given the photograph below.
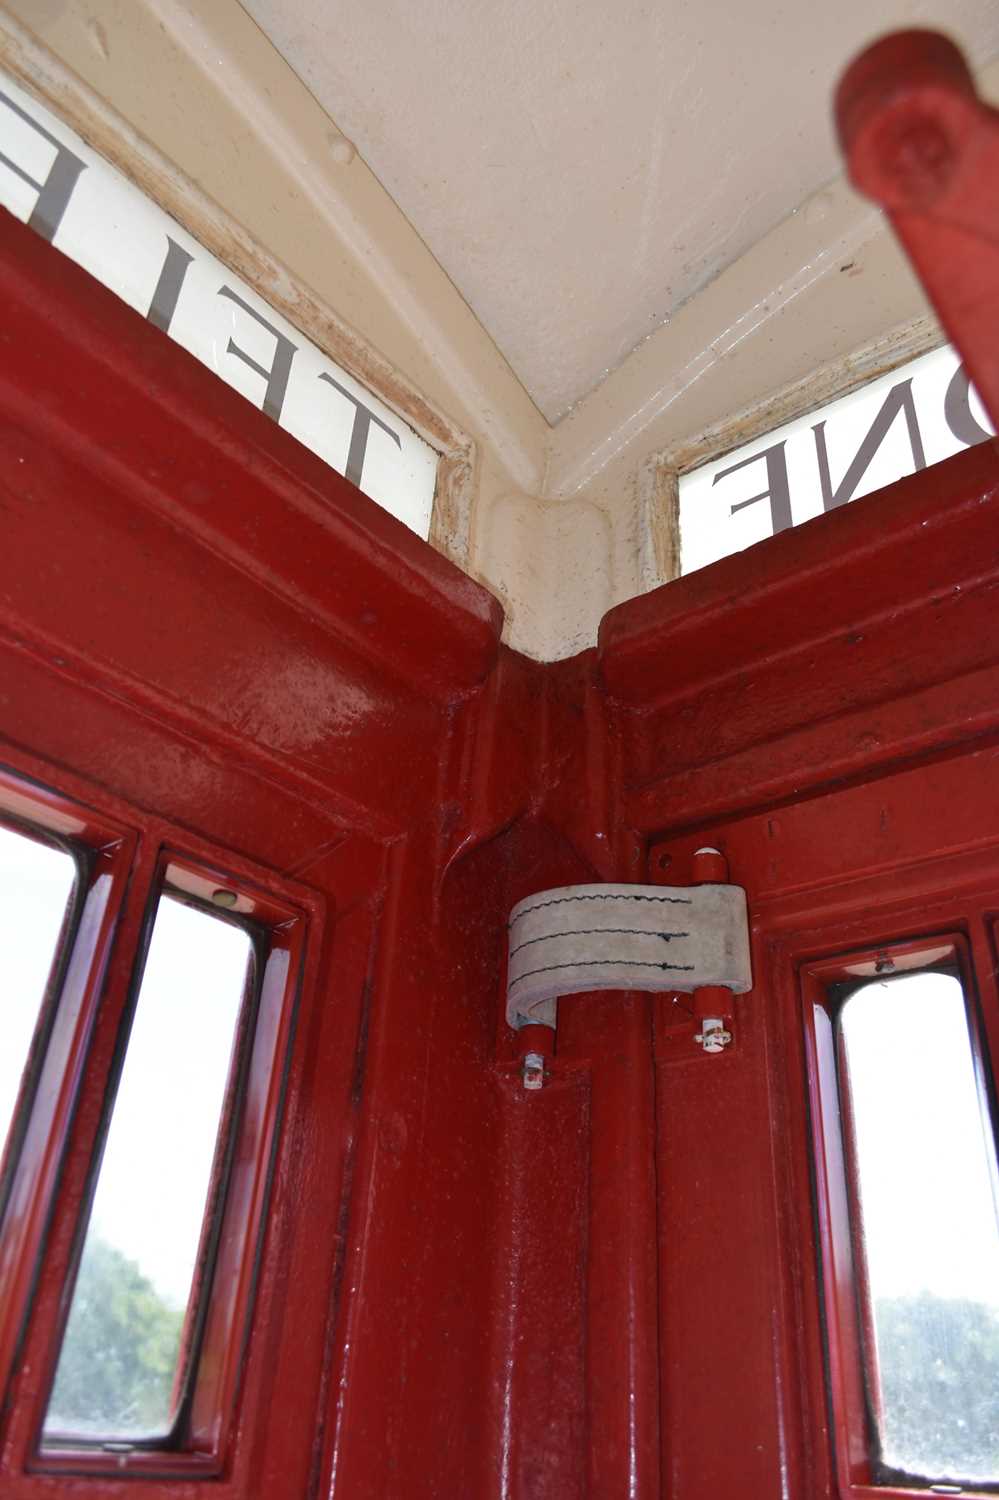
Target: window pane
x=36 y=882
x=916 y=415
x=120 y=1367
x=925 y=1164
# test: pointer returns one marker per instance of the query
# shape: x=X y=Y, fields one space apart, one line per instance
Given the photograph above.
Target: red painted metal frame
x=275 y=720
x=78 y=362
x=34 y=1173
x=850 y=1341
x=610 y=1286
x=33 y=834
x=897 y=863
x=198 y=1448
x=160 y=853
x=243 y=1222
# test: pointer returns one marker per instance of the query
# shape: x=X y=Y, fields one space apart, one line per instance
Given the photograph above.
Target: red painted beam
x=84 y=374
x=929 y=537
x=920 y=142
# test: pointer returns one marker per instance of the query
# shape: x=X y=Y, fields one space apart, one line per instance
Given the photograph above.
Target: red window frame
x=58 y=1157
x=845 y=1297
x=82 y=861
x=45 y=1111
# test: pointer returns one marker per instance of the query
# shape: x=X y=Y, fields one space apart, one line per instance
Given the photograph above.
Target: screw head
x=713 y=1036
x=533 y=1071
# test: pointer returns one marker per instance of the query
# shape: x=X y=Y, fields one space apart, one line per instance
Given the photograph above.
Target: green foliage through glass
x=124 y=1354
x=942 y=1413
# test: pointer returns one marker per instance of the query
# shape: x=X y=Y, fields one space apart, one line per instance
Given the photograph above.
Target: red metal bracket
x=919 y=141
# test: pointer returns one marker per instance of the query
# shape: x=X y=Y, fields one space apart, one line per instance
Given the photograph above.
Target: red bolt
x=903 y=108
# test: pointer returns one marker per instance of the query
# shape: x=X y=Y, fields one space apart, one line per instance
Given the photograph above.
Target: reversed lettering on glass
x=887 y=429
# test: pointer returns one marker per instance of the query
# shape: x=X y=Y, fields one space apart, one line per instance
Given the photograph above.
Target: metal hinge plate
x=623 y=937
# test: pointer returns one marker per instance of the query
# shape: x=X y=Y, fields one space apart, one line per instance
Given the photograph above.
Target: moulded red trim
x=78 y=369
x=828 y=577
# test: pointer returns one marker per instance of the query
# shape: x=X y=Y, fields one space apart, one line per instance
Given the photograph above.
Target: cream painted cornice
x=194 y=103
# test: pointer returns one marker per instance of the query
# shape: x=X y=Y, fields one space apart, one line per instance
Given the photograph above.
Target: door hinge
x=576 y=938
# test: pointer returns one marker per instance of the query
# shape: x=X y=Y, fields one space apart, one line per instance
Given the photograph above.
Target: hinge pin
x=711 y=867
x=536 y=1044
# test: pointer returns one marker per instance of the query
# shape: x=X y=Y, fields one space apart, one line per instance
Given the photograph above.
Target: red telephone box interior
x=607 y=1287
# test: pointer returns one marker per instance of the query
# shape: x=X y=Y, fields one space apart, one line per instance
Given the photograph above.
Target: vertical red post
x=622 y=1341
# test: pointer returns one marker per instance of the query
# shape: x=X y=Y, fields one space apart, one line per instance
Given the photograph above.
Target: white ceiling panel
x=580 y=170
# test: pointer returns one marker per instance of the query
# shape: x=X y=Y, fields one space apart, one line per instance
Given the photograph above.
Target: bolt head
x=533 y=1071
x=713 y=1037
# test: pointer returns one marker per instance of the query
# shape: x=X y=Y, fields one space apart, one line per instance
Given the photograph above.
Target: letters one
x=899 y=401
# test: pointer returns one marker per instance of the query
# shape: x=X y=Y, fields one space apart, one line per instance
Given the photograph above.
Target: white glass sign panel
x=915 y=416
x=52 y=180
